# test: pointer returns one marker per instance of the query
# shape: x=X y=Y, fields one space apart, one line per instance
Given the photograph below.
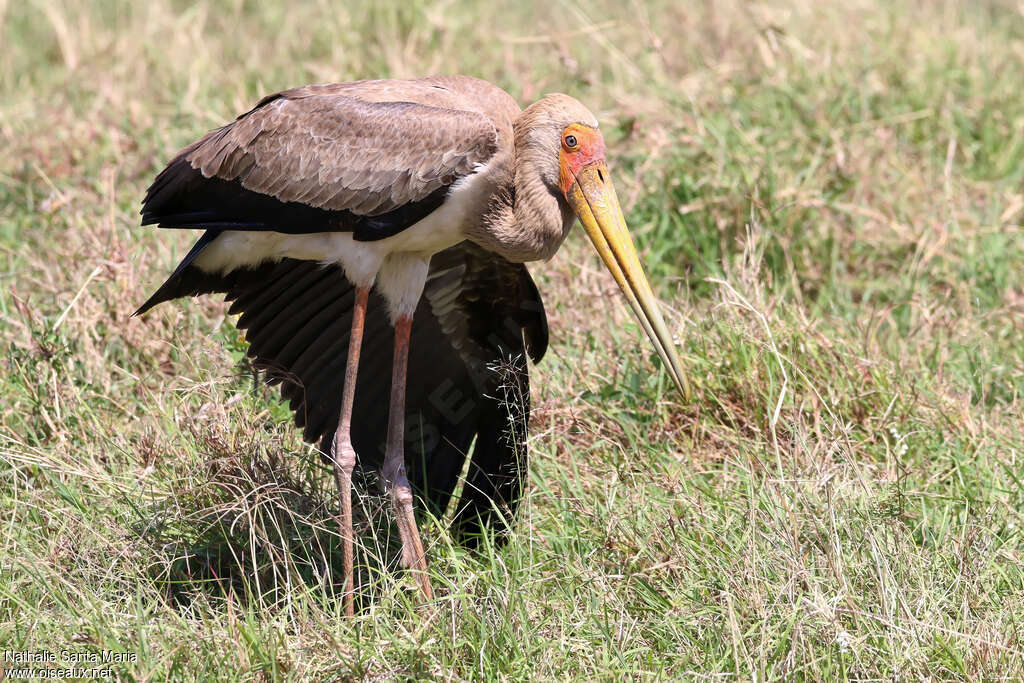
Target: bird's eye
x=570 y=141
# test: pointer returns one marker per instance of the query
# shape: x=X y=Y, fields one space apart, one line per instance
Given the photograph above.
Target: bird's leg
x=342 y=452
x=395 y=482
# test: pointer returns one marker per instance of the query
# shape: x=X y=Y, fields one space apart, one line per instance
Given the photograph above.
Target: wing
x=468 y=383
x=326 y=158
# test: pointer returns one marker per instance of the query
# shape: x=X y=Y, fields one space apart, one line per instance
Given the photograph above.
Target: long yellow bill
x=593 y=199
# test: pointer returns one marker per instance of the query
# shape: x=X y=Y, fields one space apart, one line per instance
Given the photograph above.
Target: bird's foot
x=344 y=457
x=413 y=556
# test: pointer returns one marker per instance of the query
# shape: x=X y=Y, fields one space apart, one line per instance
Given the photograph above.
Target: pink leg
x=342 y=453
x=395 y=482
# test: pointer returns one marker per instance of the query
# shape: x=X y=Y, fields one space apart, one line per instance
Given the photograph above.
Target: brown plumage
x=325 y=206
x=326 y=147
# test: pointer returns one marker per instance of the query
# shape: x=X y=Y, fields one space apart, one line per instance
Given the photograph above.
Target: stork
x=334 y=213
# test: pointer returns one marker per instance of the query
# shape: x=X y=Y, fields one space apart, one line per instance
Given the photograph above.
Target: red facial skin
x=571 y=160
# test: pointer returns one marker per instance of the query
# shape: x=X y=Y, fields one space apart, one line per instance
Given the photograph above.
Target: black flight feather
x=467 y=380
x=181 y=197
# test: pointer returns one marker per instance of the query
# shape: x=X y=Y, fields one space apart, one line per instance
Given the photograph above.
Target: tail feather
x=188 y=280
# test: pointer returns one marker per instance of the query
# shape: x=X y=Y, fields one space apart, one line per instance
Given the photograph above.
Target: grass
x=829 y=201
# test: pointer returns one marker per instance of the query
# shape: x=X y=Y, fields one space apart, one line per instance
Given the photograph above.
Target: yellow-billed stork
x=333 y=213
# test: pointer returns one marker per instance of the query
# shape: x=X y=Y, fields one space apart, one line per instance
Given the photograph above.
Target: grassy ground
x=830 y=202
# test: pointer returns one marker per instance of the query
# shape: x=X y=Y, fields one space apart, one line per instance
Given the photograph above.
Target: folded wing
x=326 y=158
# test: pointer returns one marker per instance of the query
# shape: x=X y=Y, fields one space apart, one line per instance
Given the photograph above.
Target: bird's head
x=585 y=184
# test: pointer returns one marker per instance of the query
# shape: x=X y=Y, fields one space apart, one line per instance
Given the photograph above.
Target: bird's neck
x=525 y=221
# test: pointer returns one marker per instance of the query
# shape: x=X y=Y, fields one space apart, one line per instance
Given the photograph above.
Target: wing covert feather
x=333 y=151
